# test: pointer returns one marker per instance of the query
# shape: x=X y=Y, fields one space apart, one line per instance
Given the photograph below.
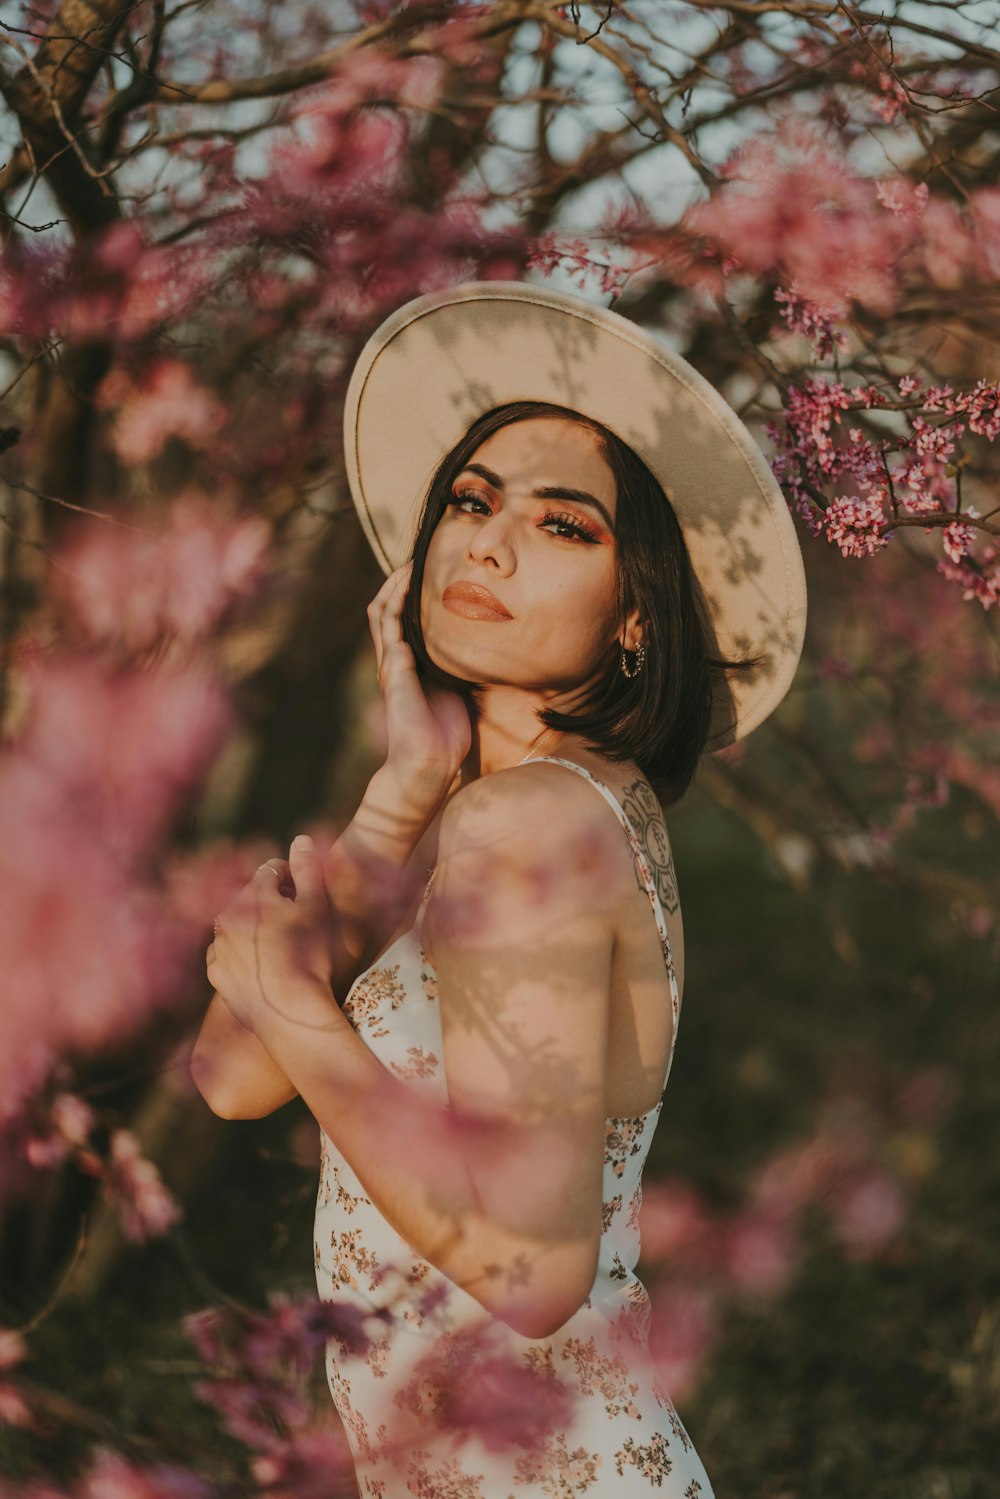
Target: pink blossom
x=867 y=1210
x=112 y=1476
x=790 y=205
x=800 y=1174
x=73 y=1117
x=902 y=197
x=946 y=244
x=43 y=1152
x=13 y=1348
x=805 y=317
x=14 y=1408
x=891 y=101
x=134 y=1183
x=853 y=524
x=958 y=538
x=684 y=1330
x=925 y=1097
x=982 y=409
x=310 y=1465
x=135 y=584
x=759 y=1251
x=814 y=409
x=494 y=1395
x=673 y=1220
x=261 y=1363
x=88 y=948
x=986 y=221
x=167 y=403
x=980 y=582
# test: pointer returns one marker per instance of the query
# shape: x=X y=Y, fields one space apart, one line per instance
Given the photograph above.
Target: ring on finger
x=271 y=867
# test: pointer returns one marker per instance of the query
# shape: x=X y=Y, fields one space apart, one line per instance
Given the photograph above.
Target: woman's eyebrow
x=547 y=492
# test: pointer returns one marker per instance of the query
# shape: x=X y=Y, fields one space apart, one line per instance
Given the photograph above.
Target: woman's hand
x=267 y=944
x=428 y=731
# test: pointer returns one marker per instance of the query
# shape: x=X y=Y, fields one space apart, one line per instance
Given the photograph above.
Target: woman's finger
x=375 y=609
x=389 y=599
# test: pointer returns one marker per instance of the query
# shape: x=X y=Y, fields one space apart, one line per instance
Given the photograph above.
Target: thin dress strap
x=644 y=871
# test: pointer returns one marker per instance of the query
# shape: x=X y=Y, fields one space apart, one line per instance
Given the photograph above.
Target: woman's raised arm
x=371 y=874
x=374 y=868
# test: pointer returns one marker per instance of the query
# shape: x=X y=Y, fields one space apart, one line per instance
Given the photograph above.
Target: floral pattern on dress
x=619 y=1270
x=559 y=1472
x=676 y=1424
x=428 y=979
x=374 y=996
x=379 y=1357
x=634 y=1318
x=623 y=1137
x=608 y=1211
x=447 y=1481
x=634 y=1204
x=609 y=1376
x=352 y=1258
x=330 y=1177
x=420 y=1064
x=652 y=1459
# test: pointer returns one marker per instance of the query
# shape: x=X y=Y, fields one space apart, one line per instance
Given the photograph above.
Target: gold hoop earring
x=640 y=658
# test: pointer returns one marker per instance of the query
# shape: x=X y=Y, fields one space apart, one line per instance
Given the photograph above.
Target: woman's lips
x=473 y=602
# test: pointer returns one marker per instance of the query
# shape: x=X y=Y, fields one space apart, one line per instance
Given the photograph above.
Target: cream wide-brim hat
x=438 y=363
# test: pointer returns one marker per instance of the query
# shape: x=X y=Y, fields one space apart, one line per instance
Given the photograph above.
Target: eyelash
x=581 y=531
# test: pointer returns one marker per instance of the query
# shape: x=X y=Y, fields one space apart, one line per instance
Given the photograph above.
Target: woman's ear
x=635 y=630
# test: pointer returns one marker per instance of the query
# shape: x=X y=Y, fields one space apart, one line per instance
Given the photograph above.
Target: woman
x=548 y=654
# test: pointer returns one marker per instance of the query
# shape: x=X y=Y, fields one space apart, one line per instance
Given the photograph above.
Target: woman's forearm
x=367 y=888
x=233 y=1072
x=415 y=1166
x=366 y=878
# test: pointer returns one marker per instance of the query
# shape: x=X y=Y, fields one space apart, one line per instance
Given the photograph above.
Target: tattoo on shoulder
x=643 y=812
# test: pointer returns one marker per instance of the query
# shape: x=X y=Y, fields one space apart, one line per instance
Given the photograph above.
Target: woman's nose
x=491 y=542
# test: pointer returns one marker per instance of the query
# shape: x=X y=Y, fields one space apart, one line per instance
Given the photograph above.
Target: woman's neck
x=502 y=740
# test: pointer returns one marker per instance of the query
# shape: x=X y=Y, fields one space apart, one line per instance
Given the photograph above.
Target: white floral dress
x=444 y=1401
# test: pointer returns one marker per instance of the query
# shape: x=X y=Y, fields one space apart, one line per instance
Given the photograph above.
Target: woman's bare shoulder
x=534 y=812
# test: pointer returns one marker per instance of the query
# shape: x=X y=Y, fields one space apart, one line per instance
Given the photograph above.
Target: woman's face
x=546 y=555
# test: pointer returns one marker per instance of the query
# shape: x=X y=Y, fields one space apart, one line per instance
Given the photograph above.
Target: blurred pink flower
x=134 y=585
x=791 y=205
x=112 y=1476
x=13 y=1348
x=925 y=1097
x=15 y=1411
x=800 y=1174
x=73 y=1117
x=166 y=403
x=134 y=1184
x=672 y=1220
x=866 y=1210
x=683 y=1331
x=492 y=1394
x=87 y=944
x=313 y=1464
x=759 y=1251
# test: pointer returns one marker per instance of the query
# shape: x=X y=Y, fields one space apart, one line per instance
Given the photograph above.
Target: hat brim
x=438 y=363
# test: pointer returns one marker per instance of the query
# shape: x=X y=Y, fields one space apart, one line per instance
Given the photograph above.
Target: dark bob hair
x=660 y=718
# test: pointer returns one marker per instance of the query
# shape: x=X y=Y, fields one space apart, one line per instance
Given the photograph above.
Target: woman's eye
x=463 y=496
x=572 y=529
